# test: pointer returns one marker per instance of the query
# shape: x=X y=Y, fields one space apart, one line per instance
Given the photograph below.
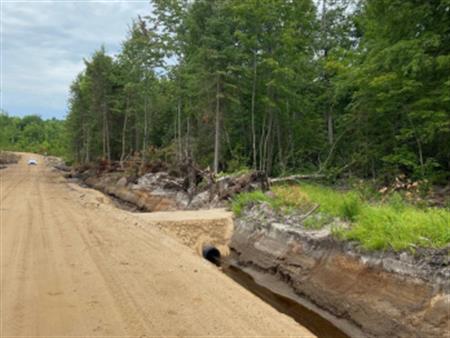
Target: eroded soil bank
x=383 y=294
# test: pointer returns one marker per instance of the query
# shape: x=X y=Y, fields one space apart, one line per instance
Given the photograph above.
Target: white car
x=32 y=161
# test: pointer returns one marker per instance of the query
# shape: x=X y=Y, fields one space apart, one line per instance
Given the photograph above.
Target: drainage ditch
x=306 y=317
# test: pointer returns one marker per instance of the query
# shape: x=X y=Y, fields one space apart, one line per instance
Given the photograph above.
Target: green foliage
x=246 y=199
x=283 y=199
x=289 y=199
x=399 y=89
x=348 y=88
x=351 y=207
x=317 y=221
x=32 y=134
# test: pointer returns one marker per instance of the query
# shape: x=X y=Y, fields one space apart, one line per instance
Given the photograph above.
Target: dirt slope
x=74 y=265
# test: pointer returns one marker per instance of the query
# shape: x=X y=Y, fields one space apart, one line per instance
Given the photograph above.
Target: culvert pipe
x=211 y=253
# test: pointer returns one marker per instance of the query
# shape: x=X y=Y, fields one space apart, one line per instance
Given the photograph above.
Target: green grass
x=242 y=200
x=346 y=205
x=285 y=200
x=393 y=224
x=381 y=227
x=317 y=221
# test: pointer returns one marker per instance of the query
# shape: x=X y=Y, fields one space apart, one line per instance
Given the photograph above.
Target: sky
x=43 y=43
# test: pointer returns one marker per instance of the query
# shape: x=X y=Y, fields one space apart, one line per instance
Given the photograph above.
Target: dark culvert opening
x=211 y=253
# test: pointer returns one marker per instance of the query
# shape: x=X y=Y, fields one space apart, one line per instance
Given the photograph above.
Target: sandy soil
x=74 y=265
x=195 y=228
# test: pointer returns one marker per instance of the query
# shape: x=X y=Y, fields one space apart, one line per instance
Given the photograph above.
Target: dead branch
x=296 y=178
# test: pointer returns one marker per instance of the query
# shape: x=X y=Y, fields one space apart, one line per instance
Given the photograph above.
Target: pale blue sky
x=44 y=43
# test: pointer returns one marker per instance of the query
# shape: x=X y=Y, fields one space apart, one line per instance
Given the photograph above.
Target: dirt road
x=74 y=265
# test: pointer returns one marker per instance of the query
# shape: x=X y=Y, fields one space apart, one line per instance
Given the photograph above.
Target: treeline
x=337 y=86
x=33 y=134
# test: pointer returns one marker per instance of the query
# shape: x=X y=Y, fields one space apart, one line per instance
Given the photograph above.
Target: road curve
x=73 y=265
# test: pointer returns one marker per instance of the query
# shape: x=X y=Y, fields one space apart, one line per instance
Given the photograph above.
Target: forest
x=33 y=134
x=343 y=88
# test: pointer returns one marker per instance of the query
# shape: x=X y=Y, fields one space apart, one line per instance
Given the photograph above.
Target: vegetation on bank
x=377 y=223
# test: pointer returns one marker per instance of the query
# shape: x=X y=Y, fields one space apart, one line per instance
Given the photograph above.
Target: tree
x=402 y=85
x=336 y=86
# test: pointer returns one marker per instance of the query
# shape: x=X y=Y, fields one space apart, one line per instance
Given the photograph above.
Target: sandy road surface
x=73 y=265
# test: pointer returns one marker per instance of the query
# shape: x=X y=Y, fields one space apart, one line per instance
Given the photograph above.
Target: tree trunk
x=419 y=146
x=88 y=154
x=144 y=141
x=267 y=142
x=329 y=114
x=261 y=143
x=180 y=145
x=124 y=132
x=217 y=128
x=103 y=135
x=188 y=137
x=108 y=147
x=253 y=111
x=330 y=128
x=281 y=158
x=136 y=129
x=270 y=148
x=323 y=20
x=422 y=165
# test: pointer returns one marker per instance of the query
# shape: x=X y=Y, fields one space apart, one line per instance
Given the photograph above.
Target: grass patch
x=346 y=205
x=248 y=198
x=393 y=224
x=317 y=221
x=291 y=199
x=284 y=199
x=385 y=226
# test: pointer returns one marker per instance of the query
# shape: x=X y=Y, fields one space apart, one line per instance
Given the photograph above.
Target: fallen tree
x=295 y=178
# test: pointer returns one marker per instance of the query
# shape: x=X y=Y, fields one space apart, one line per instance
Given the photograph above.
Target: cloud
x=44 y=43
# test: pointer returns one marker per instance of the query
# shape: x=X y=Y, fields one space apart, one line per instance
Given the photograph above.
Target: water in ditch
x=315 y=323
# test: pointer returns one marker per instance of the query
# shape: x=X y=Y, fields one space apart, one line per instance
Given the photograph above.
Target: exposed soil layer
x=195 y=229
x=384 y=294
x=274 y=292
